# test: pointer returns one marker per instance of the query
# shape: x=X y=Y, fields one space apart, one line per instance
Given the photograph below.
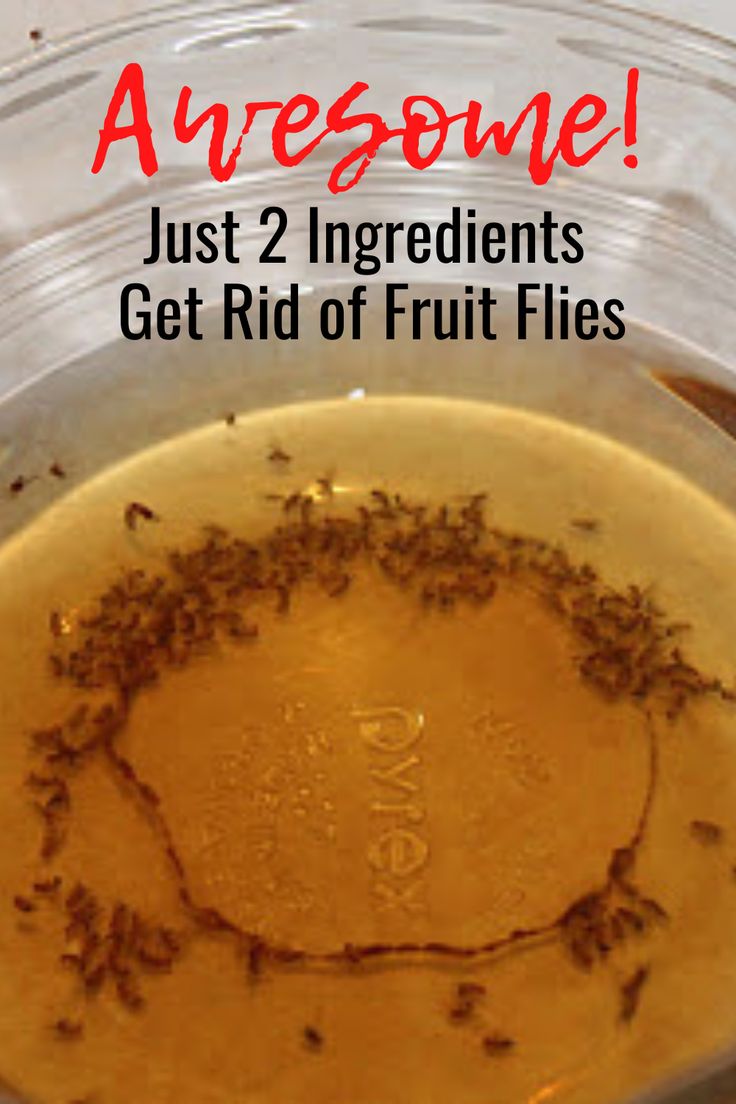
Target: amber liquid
x=370 y=771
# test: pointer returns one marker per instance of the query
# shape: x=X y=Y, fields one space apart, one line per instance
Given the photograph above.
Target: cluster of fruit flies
x=21 y=482
x=467 y=999
x=392 y=530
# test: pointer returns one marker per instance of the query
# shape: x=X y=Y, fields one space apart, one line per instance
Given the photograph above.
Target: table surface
x=58 y=18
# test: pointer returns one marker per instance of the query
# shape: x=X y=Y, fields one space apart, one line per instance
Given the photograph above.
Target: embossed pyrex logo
x=398 y=852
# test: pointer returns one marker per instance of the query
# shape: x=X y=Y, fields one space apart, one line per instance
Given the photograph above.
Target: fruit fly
x=136 y=511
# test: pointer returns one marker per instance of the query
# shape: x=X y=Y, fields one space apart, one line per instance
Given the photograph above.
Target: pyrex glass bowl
x=660 y=238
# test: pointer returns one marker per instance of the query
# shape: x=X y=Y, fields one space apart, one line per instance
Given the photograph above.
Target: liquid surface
x=371 y=771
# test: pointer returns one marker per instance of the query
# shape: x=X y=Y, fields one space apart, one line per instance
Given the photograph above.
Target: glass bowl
x=661 y=237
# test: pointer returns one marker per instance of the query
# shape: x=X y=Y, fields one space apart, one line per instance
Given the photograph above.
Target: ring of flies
x=441 y=557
